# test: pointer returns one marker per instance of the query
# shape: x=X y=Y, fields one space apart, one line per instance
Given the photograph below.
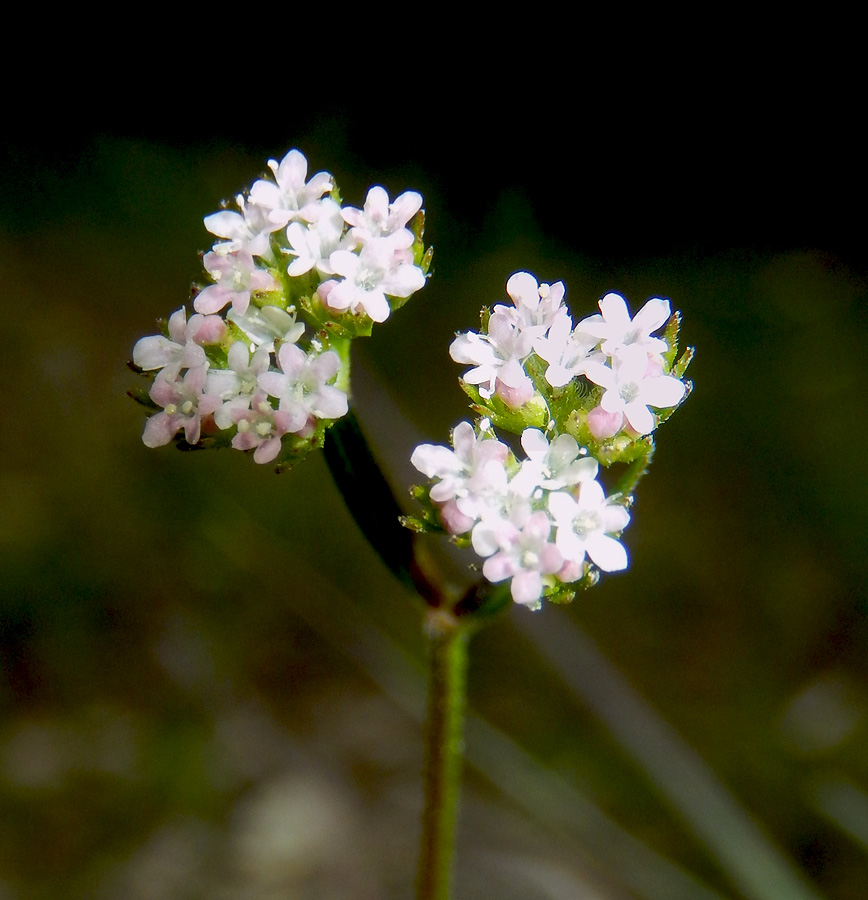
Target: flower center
x=529 y=559
x=585 y=523
x=629 y=392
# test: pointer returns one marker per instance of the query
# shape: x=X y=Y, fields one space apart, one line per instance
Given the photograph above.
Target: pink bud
x=604 y=424
x=454 y=521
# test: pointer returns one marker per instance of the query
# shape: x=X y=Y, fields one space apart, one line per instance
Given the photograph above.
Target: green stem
x=447 y=659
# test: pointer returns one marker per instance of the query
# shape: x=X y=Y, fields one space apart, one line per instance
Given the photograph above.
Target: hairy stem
x=447 y=660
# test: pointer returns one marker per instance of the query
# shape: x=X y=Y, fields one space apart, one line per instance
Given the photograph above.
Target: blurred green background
x=211 y=688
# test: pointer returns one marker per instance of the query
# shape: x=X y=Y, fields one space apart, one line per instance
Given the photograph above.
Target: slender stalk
x=447 y=660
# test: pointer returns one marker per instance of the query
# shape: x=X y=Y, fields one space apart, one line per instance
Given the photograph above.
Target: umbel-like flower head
x=580 y=396
x=263 y=365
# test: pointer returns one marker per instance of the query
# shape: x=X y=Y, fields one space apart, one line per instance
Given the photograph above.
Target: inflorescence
x=263 y=363
x=578 y=397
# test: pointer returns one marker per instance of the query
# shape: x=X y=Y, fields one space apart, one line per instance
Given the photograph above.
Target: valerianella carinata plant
x=262 y=364
x=539 y=483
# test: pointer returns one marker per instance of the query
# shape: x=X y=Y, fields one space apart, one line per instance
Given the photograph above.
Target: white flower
x=184 y=406
x=630 y=390
x=565 y=350
x=248 y=230
x=236 y=385
x=292 y=197
x=551 y=466
x=260 y=428
x=616 y=329
x=235 y=275
x=313 y=244
x=518 y=549
x=183 y=348
x=380 y=218
x=266 y=325
x=302 y=386
x=376 y=273
x=496 y=357
x=536 y=306
x=473 y=475
x=585 y=526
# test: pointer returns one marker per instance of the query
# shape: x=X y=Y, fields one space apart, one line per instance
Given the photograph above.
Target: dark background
x=210 y=685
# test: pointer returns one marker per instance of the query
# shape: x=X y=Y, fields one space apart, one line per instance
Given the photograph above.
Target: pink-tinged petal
x=663 y=392
x=433 y=460
x=538 y=527
x=163 y=392
x=614 y=310
x=344 y=263
x=159 y=430
x=614 y=518
x=523 y=288
x=331 y=403
x=192 y=430
x=569 y=572
x=406 y=206
x=526 y=588
x=641 y=418
x=601 y=375
x=376 y=306
x=631 y=364
x=406 y=280
x=207 y=329
x=326 y=366
x=178 y=326
x=551 y=560
x=211 y=299
x=464 y=440
x=557 y=376
x=340 y=296
x=225 y=224
x=497 y=568
x=607 y=553
x=267 y=450
x=652 y=315
x=515 y=397
x=454 y=521
x=602 y=424
x=273 y=383
x=154 y=352
x=534 y=443
x=292 y=359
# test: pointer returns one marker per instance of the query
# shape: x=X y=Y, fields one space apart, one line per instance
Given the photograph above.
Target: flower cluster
x=578 y=396
x=263 y=363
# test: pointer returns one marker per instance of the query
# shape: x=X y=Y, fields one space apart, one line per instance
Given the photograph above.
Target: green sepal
x=234 y=334
x=425 y=262
x=428 y=521
x=294 y=448
x=216 y=440
x=534 y=413
x=622 y=448
x=140 y=395
x=680 y=367
x=566 y=593
x=421 y=256
x=670 y=335
x=562 y=402
x=343 y=325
